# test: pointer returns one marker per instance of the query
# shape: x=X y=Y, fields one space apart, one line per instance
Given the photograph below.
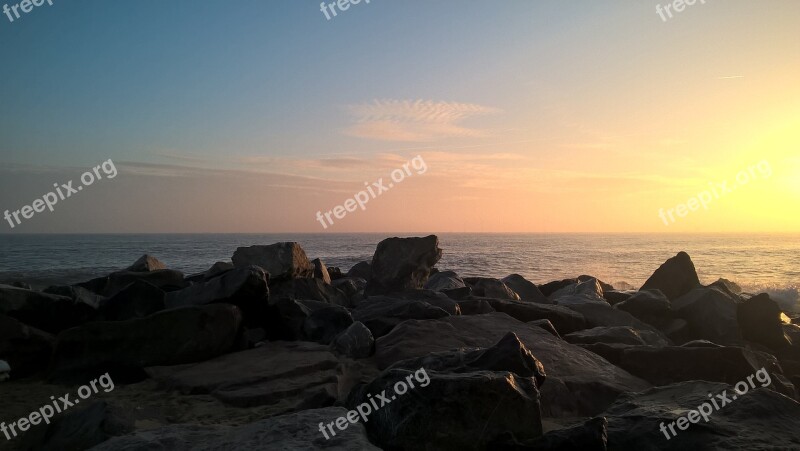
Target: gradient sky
x=531 y=116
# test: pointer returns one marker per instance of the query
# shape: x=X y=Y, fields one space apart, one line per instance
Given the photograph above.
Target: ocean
x=769 y=263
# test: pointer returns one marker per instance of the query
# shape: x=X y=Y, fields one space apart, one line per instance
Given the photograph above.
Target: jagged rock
x=615 y=297
x=551 y=287
x=582 y=292
x=402 y=263
x=352 y=287
x=50 y=313
x=324 y=324
x=137 y=300
x=433 y=298
x=603 y=315
x=444 y=280
x=356 y=342
x=245 y=288
x=490 y=288
x=123 y=348
x=603 y=286
x=648 y=306
x=474 y=306
x=563 y=319
x=289 y=376
x=216 y=270
x=759 y=320
x=546 y=325
x=146 y=263
x=619 y=334
x=678 y=331
x=381 y=313
x=321 y=271
x=280 y=260
x=361 y=270
x=293 y=431
x=760 y=419
x=675 y=278
x=458 y=294
x=81 y=427
x=25 y=348
x=730 y=287
x=310 y=289
x=527 y=291
x=287 y=318
x=712 y=315
x=165 y=279
x=571 y=371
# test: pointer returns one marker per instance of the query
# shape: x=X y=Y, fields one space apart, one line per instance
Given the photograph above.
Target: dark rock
x=310 y=289
x=603 y=315
x=760 y=321
x=615 y=297
x=381 y=313
x=78 y=294
x=458 y=294
x=286 y=319
x=26 y=349
x=546 y=325
x=21 y=284
x=563 y=319
x=123 y=348
x=321 y=271
x=729 y=287
x=604 y=286
x=678 y=331
x=216 y=270
x=712 y=315
x=675 y=278
x=146 y=263
x=295 y=431
x=444 y=280
x=619 y=335
x=582 y=292
x=701 y=344
x=245 y=288
x=551 y=287
x=356 y=342
x=281 y=261
x=647 y=304
x=491 y=288
x=352 y=287
x=402 y=263
x=527 y=291
x=287 y=375
x=79 y=428
x=335 y=272
x=165 y=279
x=48 y=312
x=324 y=324
x=361 y=270
x=433 y=298
x=589 y=436
x=137 y=300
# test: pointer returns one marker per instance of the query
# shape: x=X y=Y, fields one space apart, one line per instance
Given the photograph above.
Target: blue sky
x=492 y=91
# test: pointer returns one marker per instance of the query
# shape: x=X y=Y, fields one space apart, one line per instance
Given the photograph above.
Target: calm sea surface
x=757 y=262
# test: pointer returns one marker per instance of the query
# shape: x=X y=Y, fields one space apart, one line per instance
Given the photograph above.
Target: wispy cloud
x=414 y=120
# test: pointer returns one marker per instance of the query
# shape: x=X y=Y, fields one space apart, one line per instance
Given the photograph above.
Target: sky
x=529 y=116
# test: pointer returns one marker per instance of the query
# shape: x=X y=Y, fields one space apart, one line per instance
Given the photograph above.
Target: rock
x=678 y=331
x=433 y=298
x=551 y=287
x=563 y=319
x=603 y=286
x=675 y=278
x=727 y=286
x=25 y=348
x=356 y=342
x=310 y=289
x=123 y=348
x=491 y=288
x=216 y=270
x=335 y=272
x=281 y=261
x=450 y=411
x=571 y=371
x=21 y=284
x=288 y=376
x=286 y=319
x=81 y=428
x=712 y=315
x=761 y=419
x=444 y=280
x=137 y=300
x=295 y=431
x=324 y=324
x=615 y=297
x=5 y=371
x=603 y=315
x=402 y=263
x=647 y=304
x=47 y=312
x=580 y=293
x=760 y=321
x=361 y=270
x=701 y=344
x=472 y=306
x=146 y=263
x=352 y=287
x=165 y=279
x=458 y=294
x=245 y=288
x=589 y=436
x=321 y=271
x=381 y=313
x=527 y=291
x=79 y=295
x=546 y=325
x=610 y=335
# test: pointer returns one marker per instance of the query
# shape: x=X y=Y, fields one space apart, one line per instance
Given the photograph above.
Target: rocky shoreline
x=261 y=351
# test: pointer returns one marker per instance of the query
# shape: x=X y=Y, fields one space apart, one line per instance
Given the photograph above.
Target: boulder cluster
x=513 y=365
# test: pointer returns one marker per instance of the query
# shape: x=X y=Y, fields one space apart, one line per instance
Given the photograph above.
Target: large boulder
x=444 y=280
x=124 y=348
x=321 y=271
x=146 y=263
x=649 y=306
x=294 y=431
x=165 y=279
x=48 y=312
x=137 y=300
x=313 y=289
x=676 y=277
x=491 y=288
x=324 y=324
x=565 y=320
x=618 y=334
x=585 y=291
x=288 y=376
x=361 y=270
x=280 y=260
x=26 y=349
x=246 y=288
x=572 y=371
x=711 y=313
x=381 y=313
x=356 y=342
x=402 y=263
x=527 y=290
x=760 y=321
x=599 y=314
x=549 y=288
